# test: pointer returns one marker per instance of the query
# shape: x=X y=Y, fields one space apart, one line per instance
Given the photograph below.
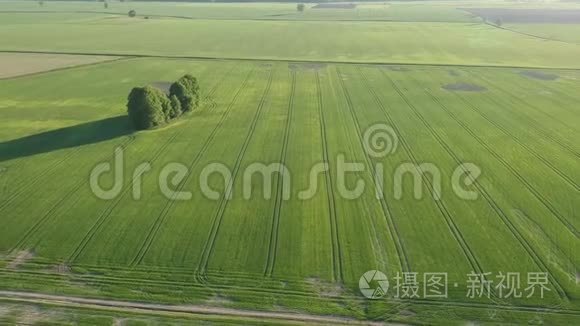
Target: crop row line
x=387 y=212
x=562 y=174
x=443 y=210
x=513 y=171
x=533 y=123
x=335 y=240
x=153 y=231
x=33 y=181
x=523 y=241
x=273 y=246
x=217 y=219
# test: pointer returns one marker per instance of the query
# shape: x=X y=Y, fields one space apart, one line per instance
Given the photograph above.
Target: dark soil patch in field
x=539 y=75
x=335 y=6
x=453 y=73
x=306 y=66
x=162 y=85
x=559 y=16
x=464 y=87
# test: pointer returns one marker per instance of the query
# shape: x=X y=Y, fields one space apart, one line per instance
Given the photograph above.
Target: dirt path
x=149 y=308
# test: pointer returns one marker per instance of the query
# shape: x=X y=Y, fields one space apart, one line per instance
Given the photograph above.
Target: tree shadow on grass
x=82 y=134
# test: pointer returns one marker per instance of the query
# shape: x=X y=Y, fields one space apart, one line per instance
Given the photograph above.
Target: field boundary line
x=489 y=199
x=297 y=60
x=530 y=34
x=218 y=216
x=387 y=212
x=152 y=234
x=513 y=171
x=443 y=210
x=273 y=246
x=498 y=126
x=334 y=235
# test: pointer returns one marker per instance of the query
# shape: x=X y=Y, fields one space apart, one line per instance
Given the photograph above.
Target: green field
x=298 y=91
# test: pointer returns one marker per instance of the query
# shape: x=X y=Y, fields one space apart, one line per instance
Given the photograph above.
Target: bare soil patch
x=539 y=75
x=17 y=64
x=335 y=6
x=162 y=85
x=306 y=66
x=506 y=15
x=464 y=87
x=20 y=258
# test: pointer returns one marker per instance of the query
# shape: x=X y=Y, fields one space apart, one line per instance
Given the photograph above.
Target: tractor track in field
x=443 y=210
x=151 y=235
x=387 y=213
x=532 y=122
x=140 y=307
x=489 y=199
x=513 y=171
x=259 y=293
x=562 y=174
x=335 y=240
x=217 y=219
x=273 y=247
x=106 y=213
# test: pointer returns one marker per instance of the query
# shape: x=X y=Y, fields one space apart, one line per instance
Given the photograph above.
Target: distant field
x=298 y=89
x=421 y=43
x=16 y=64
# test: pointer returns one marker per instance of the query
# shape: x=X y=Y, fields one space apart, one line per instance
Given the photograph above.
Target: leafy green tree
x=132 y=13
x=175 y=110
x=106 y=5
x=300 y=7
x=146 y=107
x=186 y=89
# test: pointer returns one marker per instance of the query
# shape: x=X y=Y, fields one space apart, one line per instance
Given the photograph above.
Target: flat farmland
x=411 y=139
x=282 y=112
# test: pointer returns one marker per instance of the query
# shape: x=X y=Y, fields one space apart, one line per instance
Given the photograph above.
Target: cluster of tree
x=149 y=107
x=300 y=7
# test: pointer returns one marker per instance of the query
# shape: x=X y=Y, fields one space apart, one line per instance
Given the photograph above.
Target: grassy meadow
x=299 y=89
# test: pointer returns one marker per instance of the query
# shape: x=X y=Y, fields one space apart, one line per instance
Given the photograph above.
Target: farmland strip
x=387 y=213
x=163 y=215
x=107 y=212
x=498 y=157
x=210 y=243
x=443 y=210
x=532 y=122
x=336 y=250
x=523 y=241
x=563 y=175
x=272 y=248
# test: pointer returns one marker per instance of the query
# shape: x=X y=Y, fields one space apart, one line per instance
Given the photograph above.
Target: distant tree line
x=149 y=107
